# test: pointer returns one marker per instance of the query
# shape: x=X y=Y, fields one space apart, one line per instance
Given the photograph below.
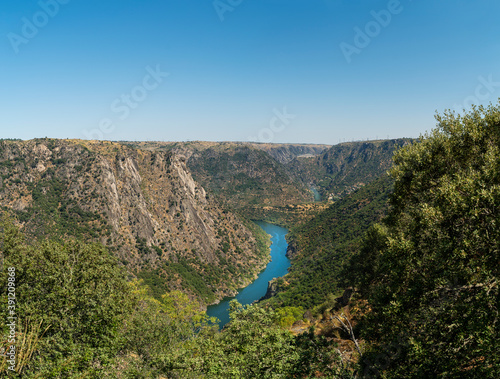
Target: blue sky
x=306 y=71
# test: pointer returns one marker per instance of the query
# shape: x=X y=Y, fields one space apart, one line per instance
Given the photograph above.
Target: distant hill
x=282 y=152
x=244 y=176
x=346 y=167
x=286 y=152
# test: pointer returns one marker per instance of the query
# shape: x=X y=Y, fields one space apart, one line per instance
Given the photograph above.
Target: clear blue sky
x=82 y=68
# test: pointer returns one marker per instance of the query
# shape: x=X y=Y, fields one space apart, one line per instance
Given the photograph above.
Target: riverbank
x=277 y=267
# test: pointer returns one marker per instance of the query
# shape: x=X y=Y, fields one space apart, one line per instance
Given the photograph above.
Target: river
x=276 y=268
x=317 y=195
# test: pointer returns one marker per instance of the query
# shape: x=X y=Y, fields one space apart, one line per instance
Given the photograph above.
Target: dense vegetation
x=242 y=176
x=320 y=248
x=345 y=167
x=77 y=316
x=69 y=304
x=430 y=271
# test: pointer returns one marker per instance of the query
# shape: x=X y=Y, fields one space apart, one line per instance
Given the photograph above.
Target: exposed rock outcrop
x=272 y=289
x=144 y=205
x=286 y=152
x=343 y=301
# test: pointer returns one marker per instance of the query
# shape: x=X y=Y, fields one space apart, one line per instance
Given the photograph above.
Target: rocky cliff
x=286 y=152
x=242 y=175
x=346 y=167
x=144 y=205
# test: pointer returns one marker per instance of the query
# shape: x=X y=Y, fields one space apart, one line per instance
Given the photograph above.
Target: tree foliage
x=252 y=345
x=76 y=290
x=322 y=247
x=79 y=317
x=431 y=269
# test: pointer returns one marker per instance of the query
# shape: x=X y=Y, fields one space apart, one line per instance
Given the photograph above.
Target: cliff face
x=286 y=152
x=345 y=167
x=272 y=289
x=245 y=177
x=144 y=205
x=242 y=175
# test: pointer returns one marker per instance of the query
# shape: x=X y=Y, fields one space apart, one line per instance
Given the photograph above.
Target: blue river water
x=276 y=268
x=317 y=195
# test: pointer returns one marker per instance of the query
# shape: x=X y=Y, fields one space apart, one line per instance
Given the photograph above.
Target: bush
x=74 y=289
x=431 y=271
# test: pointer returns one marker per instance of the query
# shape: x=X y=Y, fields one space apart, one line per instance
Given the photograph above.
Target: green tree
x=74 y=289
x=157 y=332
x=253 y=345
x=250 y=346
x=431 y=270
x=288 y=315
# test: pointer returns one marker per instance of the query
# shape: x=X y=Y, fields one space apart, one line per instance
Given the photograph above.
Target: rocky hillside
x=321 y=247
x=243 y=175
x=346 y=167
x=144 y=205
x=286 y=152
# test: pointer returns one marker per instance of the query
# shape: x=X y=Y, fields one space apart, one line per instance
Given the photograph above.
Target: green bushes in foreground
x=72 y=296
